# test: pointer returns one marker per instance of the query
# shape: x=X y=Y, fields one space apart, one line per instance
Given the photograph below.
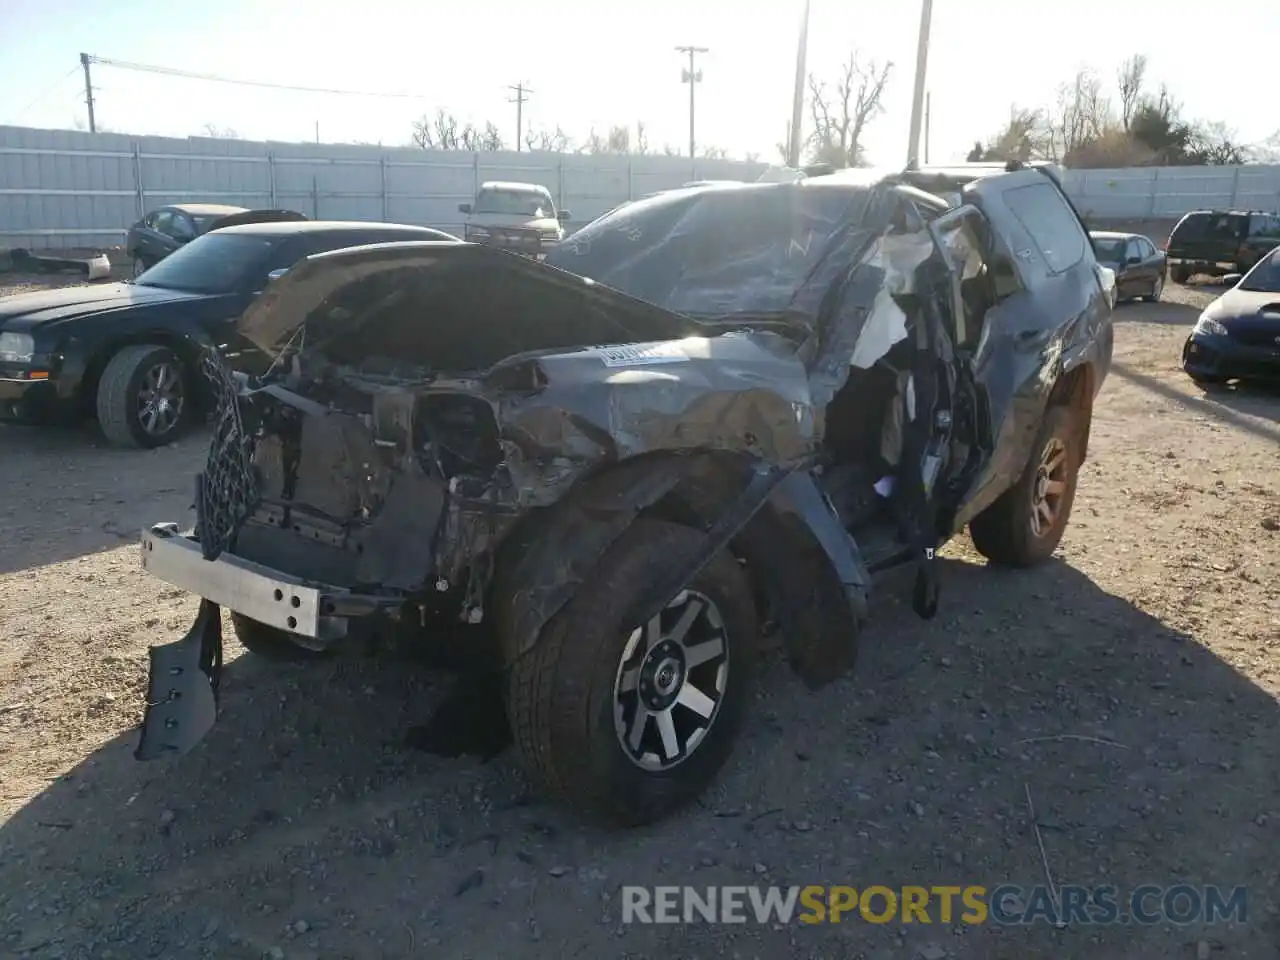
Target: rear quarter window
x=1265 y=225
x=1051 y=224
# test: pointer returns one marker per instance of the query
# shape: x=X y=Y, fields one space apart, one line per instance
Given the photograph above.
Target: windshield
x=517 y=203
x=215 y=263
x=760 y=250
x=1109 y=249
x=1265 y=275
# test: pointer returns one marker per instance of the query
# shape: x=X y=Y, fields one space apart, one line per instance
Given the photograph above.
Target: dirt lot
x=303 y=828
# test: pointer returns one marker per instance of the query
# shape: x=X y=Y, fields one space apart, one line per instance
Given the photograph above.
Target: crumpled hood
x=446 y=305
x=27 y=311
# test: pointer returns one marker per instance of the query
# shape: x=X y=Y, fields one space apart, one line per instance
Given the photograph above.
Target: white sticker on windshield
x=639 y=356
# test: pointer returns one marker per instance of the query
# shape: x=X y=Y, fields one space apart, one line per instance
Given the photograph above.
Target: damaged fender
x=804 y=567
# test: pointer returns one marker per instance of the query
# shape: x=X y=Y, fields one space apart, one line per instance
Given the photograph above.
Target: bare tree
x=1267 y=151
x=1082 y=113
x=1023 y=138
x=1130 y=78
x=444 y=131
x=642 y=138
x=840 y=118
x=549 y=141
x=218 y=133
x=714 y=153
x=616 y=140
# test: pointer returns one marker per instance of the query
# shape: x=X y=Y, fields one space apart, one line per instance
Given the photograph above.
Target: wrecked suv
x=709 y=412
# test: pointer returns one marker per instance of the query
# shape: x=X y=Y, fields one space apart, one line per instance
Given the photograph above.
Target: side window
x=1146 y=248
x=1193 y=226
x=1227 y=227
x=1133 y=250
x=1053 y=227
x=162 y=222
x=181 y=227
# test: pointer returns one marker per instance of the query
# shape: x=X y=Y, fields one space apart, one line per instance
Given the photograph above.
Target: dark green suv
x=1216 y=243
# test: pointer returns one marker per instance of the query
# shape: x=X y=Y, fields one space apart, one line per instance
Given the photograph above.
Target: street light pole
x=692 y=77
x=797 y=100
x=917 y=95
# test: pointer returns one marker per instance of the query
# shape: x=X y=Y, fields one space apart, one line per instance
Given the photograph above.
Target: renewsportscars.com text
x=1004 y=905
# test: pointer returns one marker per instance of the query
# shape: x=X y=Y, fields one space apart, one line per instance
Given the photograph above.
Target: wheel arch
x=1075 y=390
x=795 y=580
x=184 y=347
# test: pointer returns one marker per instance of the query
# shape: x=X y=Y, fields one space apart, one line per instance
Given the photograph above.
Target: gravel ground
x=302 y=828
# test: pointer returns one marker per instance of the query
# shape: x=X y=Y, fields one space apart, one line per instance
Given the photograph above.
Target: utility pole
x=797 y=103
x=88 y=92
x=692 y=77
x=521 y=95
x=317 y=131
x=917 y=95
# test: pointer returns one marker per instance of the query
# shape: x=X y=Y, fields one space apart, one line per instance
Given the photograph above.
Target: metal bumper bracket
x=182 y=690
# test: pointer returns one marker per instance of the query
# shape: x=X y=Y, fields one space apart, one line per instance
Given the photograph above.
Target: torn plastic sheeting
x=899 y=256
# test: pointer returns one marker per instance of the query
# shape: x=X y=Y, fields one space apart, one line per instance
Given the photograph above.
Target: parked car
x=520 y=217
x=1238 y=335
x=707 y=410
x=1139 y=267
x=164 y=230
x=127 y=352
x=1216 y=243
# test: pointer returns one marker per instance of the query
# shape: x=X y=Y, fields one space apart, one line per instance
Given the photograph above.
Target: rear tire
x=270 y=643
x=1015 y=531
x=1157 y=289
x=593 y=678
x=1180 y=274
x=143 y=397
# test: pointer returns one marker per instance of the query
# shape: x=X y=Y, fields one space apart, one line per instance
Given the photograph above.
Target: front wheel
x=1180 y=274
x=1157 y=289
x=142 y=398
x=1026 y=524
x=630 y=721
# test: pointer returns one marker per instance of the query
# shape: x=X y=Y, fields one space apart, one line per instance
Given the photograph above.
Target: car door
x=153 y=243
x=1152 y=262
x=1140 y=271
x=1049 y=313
x=161 y=239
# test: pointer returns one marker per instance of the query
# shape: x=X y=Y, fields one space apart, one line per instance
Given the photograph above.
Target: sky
x=593 y=63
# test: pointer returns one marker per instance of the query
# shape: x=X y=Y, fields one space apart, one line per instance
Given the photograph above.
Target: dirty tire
x=118 y=392
x=561 y=694
x=1180 y=274
x=270 y=643
x=1003 y=532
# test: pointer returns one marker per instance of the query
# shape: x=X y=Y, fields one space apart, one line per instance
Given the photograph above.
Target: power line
x=521 y=96
x=46 y=91
x=215 y=78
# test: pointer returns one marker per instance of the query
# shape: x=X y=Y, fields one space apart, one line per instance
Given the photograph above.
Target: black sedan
x=1238 y=335
x=128 y=353
x=166 y=229
x=1139 y=267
